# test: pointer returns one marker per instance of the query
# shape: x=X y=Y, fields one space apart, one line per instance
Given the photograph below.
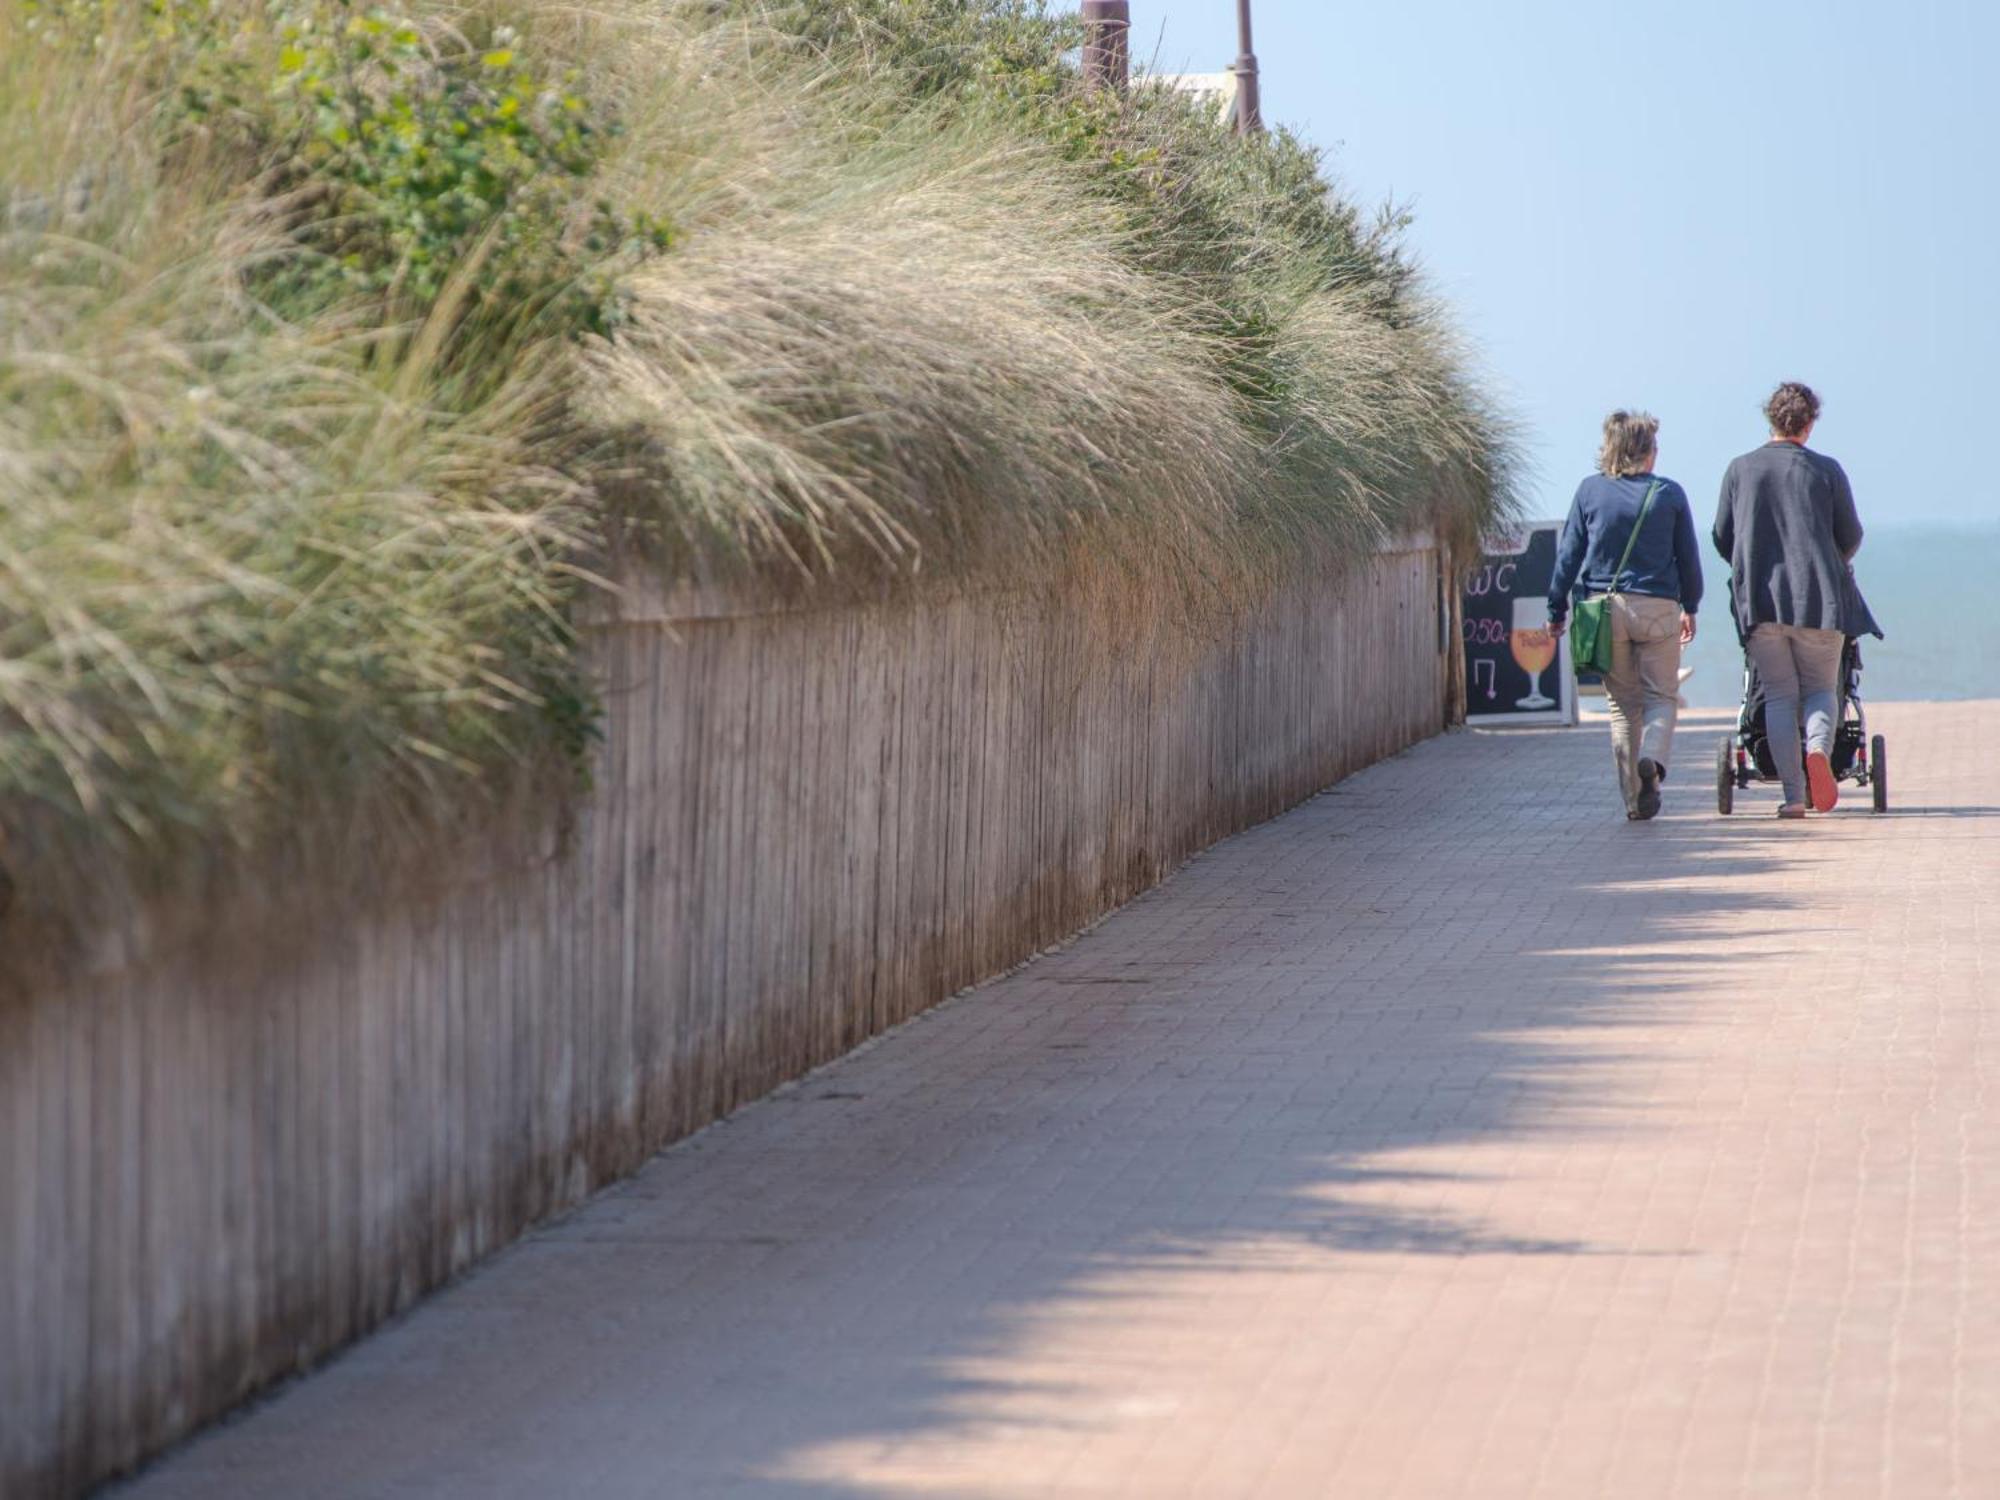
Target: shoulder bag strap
x=1626 y=556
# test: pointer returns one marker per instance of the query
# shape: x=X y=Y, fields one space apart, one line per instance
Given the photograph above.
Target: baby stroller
x=1745 y=756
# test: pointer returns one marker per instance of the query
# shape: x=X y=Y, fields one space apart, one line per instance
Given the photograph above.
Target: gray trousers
x=1800 y=670
x=1643 y=685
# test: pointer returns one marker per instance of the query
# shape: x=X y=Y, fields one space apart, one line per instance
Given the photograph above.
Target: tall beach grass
x=335 y=345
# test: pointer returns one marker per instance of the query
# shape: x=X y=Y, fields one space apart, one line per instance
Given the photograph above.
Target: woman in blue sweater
x=1652 y=601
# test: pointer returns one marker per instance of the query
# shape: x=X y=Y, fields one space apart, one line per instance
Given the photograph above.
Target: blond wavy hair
x=1631 y=443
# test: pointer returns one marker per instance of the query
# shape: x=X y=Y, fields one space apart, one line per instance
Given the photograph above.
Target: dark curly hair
x=1792 y=409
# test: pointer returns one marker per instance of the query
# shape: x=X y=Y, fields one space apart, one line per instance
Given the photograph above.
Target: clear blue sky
x=1676 y=206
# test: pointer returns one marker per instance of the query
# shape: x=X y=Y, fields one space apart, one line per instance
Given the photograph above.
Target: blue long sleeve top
x=1666 y=557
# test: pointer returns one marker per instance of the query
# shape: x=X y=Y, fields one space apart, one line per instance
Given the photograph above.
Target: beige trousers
x=1643 y=685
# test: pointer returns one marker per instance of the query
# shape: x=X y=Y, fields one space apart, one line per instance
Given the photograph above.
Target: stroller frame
x=1745 y=756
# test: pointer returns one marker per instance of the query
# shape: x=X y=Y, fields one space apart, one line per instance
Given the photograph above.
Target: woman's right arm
x=1725 y=516
x=1569 y=559
x=1846 y=521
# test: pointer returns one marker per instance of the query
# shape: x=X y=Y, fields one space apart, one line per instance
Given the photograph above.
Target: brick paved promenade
x=1448 y=1137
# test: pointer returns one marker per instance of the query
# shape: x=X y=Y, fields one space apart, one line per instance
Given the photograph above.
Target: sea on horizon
x=1926 y=584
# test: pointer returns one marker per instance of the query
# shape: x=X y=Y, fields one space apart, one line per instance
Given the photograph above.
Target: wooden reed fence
x=221 y=1162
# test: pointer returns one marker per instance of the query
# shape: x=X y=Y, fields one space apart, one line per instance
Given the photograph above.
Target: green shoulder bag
x=1590 y=619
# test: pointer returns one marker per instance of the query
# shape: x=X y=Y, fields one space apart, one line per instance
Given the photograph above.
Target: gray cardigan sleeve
x=1725 y=516
x=1846 y=523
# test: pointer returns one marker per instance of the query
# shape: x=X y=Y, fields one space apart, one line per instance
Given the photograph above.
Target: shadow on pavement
x=1466 y=946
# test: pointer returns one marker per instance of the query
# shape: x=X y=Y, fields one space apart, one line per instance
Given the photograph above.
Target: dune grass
x=334 y=344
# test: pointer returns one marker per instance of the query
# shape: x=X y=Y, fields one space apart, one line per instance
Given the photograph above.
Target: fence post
x=1249 y=109
x=1107 y=59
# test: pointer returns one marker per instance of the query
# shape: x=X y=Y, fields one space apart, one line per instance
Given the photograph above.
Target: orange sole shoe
x=1820 y=783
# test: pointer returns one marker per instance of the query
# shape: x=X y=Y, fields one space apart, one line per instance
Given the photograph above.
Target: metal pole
x=1107 y=60
x=1249 y=113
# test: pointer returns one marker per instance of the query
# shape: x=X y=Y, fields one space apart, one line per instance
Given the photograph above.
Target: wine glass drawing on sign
x=1534 y=649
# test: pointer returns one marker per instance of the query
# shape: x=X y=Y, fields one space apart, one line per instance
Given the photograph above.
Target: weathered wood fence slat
x=221 y=1162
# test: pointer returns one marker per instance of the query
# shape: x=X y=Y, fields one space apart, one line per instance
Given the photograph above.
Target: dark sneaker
x=1648 y=805
x=1821 y=789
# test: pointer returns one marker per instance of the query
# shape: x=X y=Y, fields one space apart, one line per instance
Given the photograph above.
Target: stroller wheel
x=1725 y=777
x=1878 y=774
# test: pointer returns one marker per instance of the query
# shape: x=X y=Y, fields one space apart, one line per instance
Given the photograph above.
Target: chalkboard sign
x=1515 y=671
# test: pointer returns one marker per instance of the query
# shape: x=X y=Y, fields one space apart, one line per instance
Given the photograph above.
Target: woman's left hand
x=1687 y=628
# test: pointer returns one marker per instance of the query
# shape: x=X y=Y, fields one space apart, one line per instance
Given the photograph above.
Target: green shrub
x=403 y=151
x=437 y=148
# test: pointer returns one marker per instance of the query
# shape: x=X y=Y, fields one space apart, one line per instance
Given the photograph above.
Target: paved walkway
x=1448 y=1137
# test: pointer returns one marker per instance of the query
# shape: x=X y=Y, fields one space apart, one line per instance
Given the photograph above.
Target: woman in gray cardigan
x=1788 y=527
